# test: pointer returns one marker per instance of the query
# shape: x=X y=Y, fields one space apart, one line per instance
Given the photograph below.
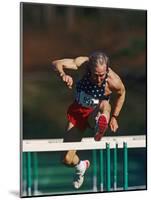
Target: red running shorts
x=78 y=115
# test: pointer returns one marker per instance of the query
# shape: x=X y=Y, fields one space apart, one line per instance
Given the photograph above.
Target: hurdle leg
x=29 y=179
x=115 y=167
x=108 y=167
x=35 y=173
x=101 y=170
x=94 y=156
x=24 y=185
x=125 y=166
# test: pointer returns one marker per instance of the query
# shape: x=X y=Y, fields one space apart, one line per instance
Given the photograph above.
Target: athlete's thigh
x=105 y=106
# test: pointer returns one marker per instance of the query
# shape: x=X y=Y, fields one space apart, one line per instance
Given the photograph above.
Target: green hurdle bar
x=29 y=177
x=101 y=171
x=94 y=156
x=104 y=151
x=35 y=172
x=30 y=174
x=24 y=186
x=30 y=186
x=115 y=167
x=108 y=167
x=125 y=166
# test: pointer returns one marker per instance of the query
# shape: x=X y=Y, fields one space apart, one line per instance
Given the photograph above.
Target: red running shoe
x=101 y=127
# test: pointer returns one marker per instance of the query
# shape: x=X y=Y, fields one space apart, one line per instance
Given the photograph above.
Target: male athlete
x=91 y=107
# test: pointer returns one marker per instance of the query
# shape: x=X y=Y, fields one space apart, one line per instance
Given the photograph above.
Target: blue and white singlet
x=89 y=94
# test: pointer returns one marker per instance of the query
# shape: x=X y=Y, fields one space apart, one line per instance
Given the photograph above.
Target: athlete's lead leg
x=99 y=119
x=102 y=119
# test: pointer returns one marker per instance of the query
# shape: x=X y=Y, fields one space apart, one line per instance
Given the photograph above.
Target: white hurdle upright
x=32 y=146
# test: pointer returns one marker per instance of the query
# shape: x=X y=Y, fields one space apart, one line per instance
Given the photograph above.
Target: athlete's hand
x=68 y=80
x=113 y=124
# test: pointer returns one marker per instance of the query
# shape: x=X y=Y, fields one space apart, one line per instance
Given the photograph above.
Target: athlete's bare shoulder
x=114 y=81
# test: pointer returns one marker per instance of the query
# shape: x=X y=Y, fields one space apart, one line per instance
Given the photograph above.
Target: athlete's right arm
x=67 y=63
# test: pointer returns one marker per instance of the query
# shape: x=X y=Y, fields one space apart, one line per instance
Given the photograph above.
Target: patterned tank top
x=89 y=94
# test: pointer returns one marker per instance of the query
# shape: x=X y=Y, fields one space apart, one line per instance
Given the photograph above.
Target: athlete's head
x=98 y=66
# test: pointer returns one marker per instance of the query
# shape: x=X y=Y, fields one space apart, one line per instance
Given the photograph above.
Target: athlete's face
x=98 y=74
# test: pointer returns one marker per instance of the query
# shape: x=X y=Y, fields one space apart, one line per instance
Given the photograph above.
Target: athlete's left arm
x=118 y=87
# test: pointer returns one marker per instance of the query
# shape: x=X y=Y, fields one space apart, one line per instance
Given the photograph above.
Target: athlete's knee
x=105 y=106
x=105 y=109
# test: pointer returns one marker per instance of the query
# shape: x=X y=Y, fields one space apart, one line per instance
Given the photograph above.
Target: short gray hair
x=98 y=58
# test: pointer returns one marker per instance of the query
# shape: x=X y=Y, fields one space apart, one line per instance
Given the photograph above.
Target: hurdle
x=31 y=147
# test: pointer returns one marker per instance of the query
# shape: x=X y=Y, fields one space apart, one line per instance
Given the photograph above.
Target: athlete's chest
x=90 y=88
x=89 y=94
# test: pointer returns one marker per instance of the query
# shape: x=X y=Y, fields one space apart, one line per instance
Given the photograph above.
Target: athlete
x=91 y=107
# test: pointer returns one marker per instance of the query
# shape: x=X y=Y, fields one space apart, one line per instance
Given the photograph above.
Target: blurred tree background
x=52 y=32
